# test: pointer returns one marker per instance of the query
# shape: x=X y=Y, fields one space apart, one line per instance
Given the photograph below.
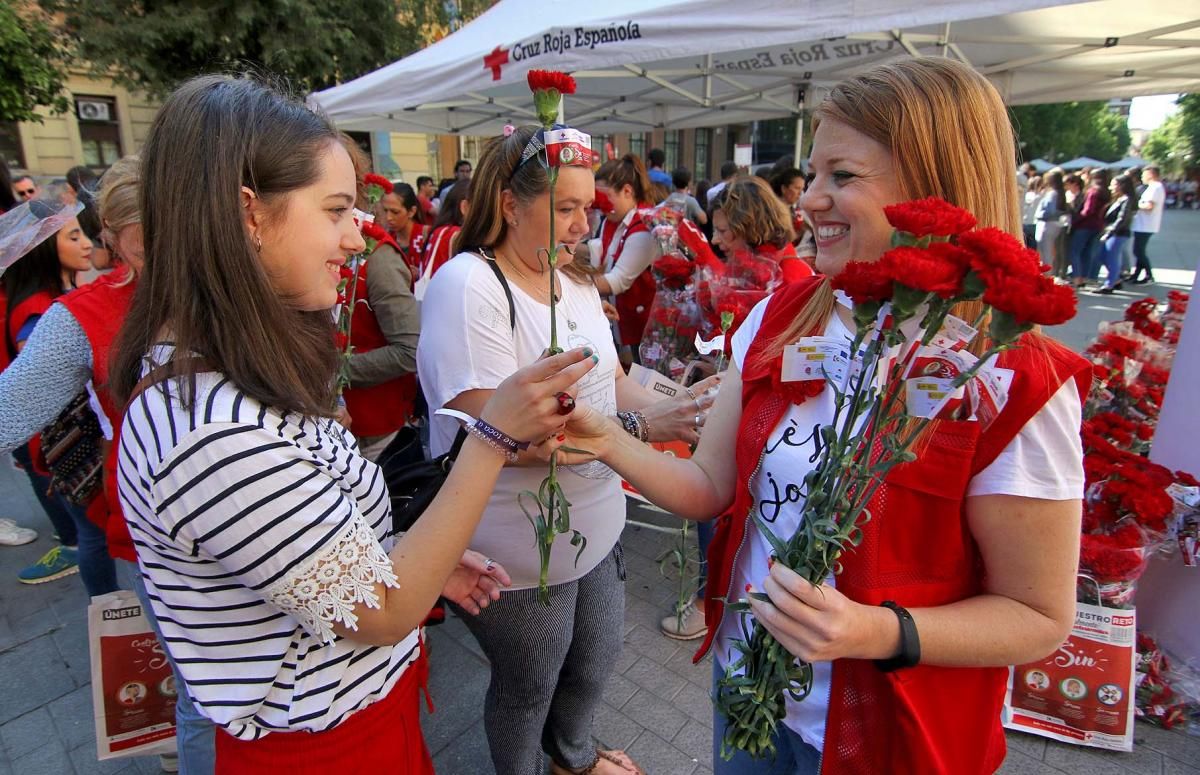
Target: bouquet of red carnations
x=910 y=362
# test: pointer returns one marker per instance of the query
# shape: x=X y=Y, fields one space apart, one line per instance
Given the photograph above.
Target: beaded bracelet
x=497 y=439
x=635 y=424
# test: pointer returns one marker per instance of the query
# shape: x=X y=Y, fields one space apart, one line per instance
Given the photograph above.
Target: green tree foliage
x=32 y=71
x=1061 y=131
x=1176 y=144
x=152 y=45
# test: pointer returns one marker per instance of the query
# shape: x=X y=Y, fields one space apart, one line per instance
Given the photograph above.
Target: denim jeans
x=64 y=524
x=1111 y=258
x=74 y=529
x=793 y=756
x=1083 y=247
x=195 y=735
x=96 y=567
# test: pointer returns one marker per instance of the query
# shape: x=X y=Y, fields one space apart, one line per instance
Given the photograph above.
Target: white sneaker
x=685 y=624
x=12 y=534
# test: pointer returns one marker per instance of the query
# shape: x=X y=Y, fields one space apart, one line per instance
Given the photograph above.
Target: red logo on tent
x=495 y=60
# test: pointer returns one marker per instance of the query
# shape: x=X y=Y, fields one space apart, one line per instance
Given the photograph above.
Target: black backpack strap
x=512 y=307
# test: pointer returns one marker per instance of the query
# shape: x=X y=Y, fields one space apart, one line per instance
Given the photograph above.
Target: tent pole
x=799 y=149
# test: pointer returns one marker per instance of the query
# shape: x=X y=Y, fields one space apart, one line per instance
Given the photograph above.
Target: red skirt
x=384 y=737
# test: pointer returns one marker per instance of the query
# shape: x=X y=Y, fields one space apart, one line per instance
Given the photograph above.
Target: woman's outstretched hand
x=682 y=417
x=524 y=405
x=476 y=582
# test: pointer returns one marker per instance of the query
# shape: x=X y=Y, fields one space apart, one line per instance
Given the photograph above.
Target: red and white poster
x=1083 y=692
x=133 y=686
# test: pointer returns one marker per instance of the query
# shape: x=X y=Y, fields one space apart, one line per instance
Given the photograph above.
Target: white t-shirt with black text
x=1045 y=460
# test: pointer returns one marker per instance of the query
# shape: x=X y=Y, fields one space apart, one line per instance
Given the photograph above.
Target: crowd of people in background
x=1084 y=222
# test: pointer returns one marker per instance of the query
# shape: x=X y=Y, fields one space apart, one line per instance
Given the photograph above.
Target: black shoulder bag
x=412 y=481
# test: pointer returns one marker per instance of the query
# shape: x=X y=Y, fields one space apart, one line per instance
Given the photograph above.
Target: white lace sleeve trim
x=323 y=590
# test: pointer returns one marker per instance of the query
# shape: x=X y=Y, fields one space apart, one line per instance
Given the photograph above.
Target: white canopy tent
x=645 y=64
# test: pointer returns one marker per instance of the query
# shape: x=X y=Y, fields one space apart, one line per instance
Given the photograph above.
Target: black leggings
x=1140 y=240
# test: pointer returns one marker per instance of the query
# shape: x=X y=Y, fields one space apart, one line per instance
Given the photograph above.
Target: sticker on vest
x=814 y=357
x=955 y=334
x=932 y=397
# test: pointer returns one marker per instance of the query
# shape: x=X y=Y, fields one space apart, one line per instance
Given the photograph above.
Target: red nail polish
x=562 y=437
x=770 y=562
x=748 y=587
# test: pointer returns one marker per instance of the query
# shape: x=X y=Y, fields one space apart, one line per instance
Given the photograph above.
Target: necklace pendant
x=571 y=325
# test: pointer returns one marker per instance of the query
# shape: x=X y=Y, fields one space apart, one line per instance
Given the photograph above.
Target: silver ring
x=697 y=421
x=488 y=565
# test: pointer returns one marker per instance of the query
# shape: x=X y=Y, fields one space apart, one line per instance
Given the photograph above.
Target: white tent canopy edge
x=688 y=63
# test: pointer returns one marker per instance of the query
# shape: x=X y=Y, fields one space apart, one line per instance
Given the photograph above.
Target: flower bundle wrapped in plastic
x=669 y=341
x=908 y=364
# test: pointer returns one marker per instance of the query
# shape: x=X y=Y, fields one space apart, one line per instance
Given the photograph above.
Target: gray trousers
x=549 y=667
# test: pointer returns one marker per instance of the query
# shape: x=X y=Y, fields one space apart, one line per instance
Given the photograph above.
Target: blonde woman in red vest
x=627 y=248
x=978 y=540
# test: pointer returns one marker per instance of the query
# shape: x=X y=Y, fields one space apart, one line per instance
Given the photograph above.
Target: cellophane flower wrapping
x=1133 y=507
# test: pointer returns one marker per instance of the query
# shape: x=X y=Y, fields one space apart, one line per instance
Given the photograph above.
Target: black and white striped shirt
x=255 y=532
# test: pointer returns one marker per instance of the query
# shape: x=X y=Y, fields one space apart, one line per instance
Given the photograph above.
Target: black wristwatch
x=910 y=641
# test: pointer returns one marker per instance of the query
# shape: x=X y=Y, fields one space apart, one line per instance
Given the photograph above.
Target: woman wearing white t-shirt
x=978 y=538
x=549 y=663
x=264 y=537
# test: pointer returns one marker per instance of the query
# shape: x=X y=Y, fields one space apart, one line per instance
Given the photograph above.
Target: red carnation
x=929 y=217
x=674 y=271
x=371 y=179
x=373 y=231
x=1028 y=300
x=996 y=253
x=1186 y=479
x=864 y=282
x=545 y=80
x=796 y=392
x=939 y=268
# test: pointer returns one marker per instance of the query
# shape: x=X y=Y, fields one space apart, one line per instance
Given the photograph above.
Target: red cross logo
x=495 y=60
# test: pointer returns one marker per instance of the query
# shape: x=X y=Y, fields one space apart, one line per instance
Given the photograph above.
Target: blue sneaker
x=56 y=563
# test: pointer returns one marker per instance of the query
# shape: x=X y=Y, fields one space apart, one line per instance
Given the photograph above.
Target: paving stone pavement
x=656 y=704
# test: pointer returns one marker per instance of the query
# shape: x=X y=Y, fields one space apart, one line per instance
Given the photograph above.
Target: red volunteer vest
x=634 y=304
x=37 y=304
x=100 y=308
x=384 y=408
x=917 y=551
x=412 y=253
x=436 y=250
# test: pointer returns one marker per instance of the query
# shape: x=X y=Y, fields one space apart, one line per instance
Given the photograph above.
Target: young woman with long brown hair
x=264 y=537
x=978 y=537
